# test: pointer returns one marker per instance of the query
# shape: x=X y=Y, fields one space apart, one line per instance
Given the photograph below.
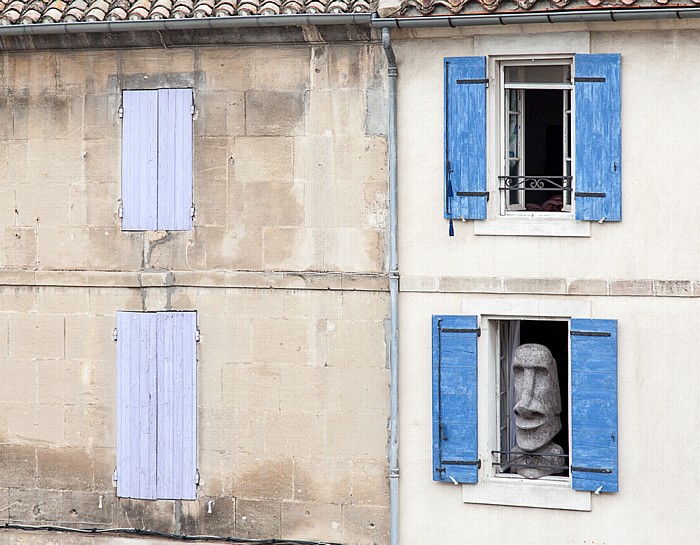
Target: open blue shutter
x=175 y=159
x=177 y=405
x=594 y=405
x=598 y=181
x=465 y=137
x=140 y=161
x=455 y=456
x=136 y=405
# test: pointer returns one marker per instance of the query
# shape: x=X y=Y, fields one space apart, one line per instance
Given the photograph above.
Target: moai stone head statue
x=537 y=408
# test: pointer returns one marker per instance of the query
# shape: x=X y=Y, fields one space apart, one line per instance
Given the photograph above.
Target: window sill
x=526 y=493
x=530 y=225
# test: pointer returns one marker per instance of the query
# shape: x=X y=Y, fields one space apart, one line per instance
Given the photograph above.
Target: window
x=537 y=162
x=472 y=446
x=558 y=134
x=157 y=160
x=156 y=405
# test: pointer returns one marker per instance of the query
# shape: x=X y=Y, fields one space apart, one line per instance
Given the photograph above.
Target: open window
x=536 y=173
x=474 y=373
x=508 y=459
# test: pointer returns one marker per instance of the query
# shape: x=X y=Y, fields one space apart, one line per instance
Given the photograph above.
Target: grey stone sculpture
x=537 y=409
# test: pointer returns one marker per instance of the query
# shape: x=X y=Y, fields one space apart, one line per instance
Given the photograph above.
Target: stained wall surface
x=284 y=266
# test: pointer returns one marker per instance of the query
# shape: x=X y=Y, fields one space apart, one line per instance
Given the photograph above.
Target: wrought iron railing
x=512 y=460
x=535 y=183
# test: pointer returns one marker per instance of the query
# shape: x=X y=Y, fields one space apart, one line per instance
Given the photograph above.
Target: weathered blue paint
x=465 y=137
x=598 y=138
x=455 y=399
x=140 y=161
x=177 y=405
x=594 y=405
x=175 y=159
x=136 y=405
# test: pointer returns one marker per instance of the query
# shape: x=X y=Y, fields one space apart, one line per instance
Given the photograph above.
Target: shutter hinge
x=461 y=330
x=591 y=333
x=114 y=336
x=473 y=194
x=121 y=112
x=196 y=335
x=193 y=211
x=471 y=81
x=196 y=477
x=114 y=475
x=192 y=109
x=121 y=212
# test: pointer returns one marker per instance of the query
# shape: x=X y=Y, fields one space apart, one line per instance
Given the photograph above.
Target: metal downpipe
x=394 y=297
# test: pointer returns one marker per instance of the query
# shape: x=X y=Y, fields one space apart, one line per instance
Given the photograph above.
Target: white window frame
x=492 y=488
x=520 y=223
x=503 y=88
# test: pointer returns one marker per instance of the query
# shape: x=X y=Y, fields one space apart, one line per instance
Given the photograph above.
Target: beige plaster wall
x=284 y=267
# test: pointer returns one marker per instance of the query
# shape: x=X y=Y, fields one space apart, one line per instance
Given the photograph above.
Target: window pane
x=538 y=74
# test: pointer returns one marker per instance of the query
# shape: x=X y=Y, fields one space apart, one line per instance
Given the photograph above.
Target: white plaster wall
x=659 y=347
x=658 y=500
x=658 y=236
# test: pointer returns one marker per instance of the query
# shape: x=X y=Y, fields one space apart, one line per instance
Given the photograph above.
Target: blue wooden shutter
x=598 y=181
x=465 y=138
x=177 y=405
x=140 y=161
x=455 y=454
x=175 y=159
x=136 y=405
x=594 y=405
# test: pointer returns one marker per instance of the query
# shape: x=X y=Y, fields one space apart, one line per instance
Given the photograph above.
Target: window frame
x=547 y=492
x=502 y=100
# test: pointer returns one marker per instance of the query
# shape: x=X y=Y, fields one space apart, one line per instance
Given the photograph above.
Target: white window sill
x=533 y=225
x=526 y=493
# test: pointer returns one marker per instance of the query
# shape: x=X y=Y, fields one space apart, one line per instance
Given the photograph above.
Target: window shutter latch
x=121 y=112
x=114 y=336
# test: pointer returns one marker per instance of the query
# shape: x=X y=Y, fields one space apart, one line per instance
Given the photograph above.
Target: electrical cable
x=166 y=535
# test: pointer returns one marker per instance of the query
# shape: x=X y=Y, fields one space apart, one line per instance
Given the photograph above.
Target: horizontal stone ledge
x=551 y=286
x=339 y=281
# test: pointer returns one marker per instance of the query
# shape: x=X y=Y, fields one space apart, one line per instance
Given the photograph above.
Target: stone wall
x=285 y=268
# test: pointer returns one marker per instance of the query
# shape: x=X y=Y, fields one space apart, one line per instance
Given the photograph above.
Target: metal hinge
x=114 y=475
x=461 y=330
x=473 y=194
x=114 y=336
x=192 y=110
x=196 y=335
x=472 y=81
x=121 y=211
x=121 y=112
x=193 y=211
x=196 y=477
x=591 y=333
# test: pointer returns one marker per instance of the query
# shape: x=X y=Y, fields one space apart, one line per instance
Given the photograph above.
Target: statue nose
x=527 y=392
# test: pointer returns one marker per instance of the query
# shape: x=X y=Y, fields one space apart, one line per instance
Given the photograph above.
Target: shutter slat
x=177 y=405
x=594 y=440
x=598 y=137
x=455 y=452
x=136 y=405
x=140 y=161
x=465 y=135
x=175 y=159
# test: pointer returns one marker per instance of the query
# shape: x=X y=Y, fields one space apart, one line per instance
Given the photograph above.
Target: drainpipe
x=393 y=74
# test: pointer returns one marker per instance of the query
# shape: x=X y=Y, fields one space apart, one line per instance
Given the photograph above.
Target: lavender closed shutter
x=140 y=161
x=136 y=405
x=175 y=159
x=177 y=405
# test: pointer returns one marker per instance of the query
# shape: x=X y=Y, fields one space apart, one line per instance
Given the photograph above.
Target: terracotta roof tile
x=14 y=12
x=417 y=8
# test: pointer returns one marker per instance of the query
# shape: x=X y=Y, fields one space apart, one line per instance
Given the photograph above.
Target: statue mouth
x=531 y=422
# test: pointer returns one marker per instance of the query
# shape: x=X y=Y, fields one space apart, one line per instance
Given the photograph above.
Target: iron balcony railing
x=535 y=183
